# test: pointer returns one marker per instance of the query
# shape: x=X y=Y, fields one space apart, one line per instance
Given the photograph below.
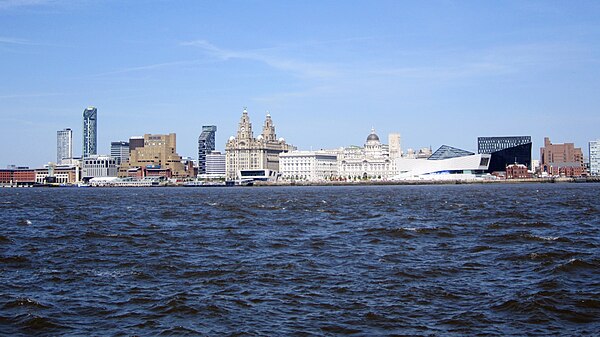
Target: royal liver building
x=244 y=152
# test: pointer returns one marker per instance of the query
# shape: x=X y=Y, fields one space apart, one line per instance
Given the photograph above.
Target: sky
x=437 y=72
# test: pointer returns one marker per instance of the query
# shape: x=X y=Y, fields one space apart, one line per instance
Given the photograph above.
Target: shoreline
x=595 y=179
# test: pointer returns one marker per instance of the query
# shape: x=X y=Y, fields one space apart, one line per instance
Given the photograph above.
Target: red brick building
x=17 y=176
x=517 y=171
x=561 y=159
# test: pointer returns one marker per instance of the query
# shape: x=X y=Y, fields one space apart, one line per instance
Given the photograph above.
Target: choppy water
x=372 y=260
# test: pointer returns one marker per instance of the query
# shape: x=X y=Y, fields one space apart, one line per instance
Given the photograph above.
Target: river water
x=485 y=260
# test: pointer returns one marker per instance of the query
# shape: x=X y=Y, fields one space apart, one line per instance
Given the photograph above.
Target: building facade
x=17 y=176
x=594 y=147
x=90 y=136
x=159 y=152
x=506 y=151
x=561 y=159
x=215 y=165
x=119 y=151
x=311 y=166
x=370 y=162
x=64 y=145
x=99 y=166
x=59 y=174
x=206 y=144
x=245 y=152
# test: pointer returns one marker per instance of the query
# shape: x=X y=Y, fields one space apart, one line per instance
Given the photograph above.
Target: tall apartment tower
x=395 y=145
x=90 y=136
x=64 y=145
x=206 y=144
x=595 y=157
x=119 y=151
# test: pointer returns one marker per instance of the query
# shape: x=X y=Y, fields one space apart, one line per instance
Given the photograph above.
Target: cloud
x=299 y=68
x=8 y=4
x=12 y=40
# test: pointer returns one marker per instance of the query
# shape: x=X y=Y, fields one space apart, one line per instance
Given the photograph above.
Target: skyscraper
x=64 y=145
x=595 y=157
x=206 y=144
x=90 y=136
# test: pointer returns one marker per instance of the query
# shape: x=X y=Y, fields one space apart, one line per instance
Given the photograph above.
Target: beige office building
x=159 y=151
x=244 y=152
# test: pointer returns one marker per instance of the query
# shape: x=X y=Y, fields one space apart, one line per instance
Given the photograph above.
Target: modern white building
x=594 y=147
x=214 y=165
x=99 y=166
x=64 y=145
x=312 y=166
x=447 y=163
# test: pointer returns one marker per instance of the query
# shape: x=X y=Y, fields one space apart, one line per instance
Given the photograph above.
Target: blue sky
x=438 y=72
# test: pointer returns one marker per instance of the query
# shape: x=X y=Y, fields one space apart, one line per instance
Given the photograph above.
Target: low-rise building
x=99 y=166
x=17 y=176
x=517 y=171
x=310 y=166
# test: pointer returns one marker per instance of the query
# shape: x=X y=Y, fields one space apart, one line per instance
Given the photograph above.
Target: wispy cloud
x=147 y=67
x=30 y=95
x=16 y=41
x=8 y=4
x=297 y=67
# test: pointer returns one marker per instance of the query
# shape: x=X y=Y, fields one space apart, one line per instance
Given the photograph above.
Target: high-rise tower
x=90 y=136
x=64 y=145
x=206 y=144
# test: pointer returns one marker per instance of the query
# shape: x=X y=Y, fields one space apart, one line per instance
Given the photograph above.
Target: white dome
x=282 y=139
x=232 y=138
x=260 y=137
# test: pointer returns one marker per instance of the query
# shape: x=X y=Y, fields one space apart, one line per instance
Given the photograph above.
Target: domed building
x=370 y=162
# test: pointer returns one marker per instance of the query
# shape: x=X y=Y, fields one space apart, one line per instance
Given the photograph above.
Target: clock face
x=242 y=129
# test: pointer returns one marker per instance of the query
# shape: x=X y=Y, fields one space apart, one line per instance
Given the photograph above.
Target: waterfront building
x=90 y=136
x=17 y=176
x=64 y=145
x=506 y=151
x=158 y=152
x=215 y=166
x=370 y=162
x=395 y=145
x=517 y=171
x=561 y=159
x=99 y=166
x=446 y=163
x=206 y=144
x=119 y=151
x=59 y=174
x=594 y=147
x=311 y=166
x=245 y=152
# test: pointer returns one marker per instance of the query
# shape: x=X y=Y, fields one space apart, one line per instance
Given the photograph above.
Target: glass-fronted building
x=206 y=144
x=90 y=136
x=595 y=157
x=506 y=151
x=119 y=151
x=64 y=145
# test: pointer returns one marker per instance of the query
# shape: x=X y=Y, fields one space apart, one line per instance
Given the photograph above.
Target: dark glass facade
x=206 y=144
x=520 y=154
x=90 y=138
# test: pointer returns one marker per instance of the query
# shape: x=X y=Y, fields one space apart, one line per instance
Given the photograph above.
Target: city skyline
x=437 y=73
